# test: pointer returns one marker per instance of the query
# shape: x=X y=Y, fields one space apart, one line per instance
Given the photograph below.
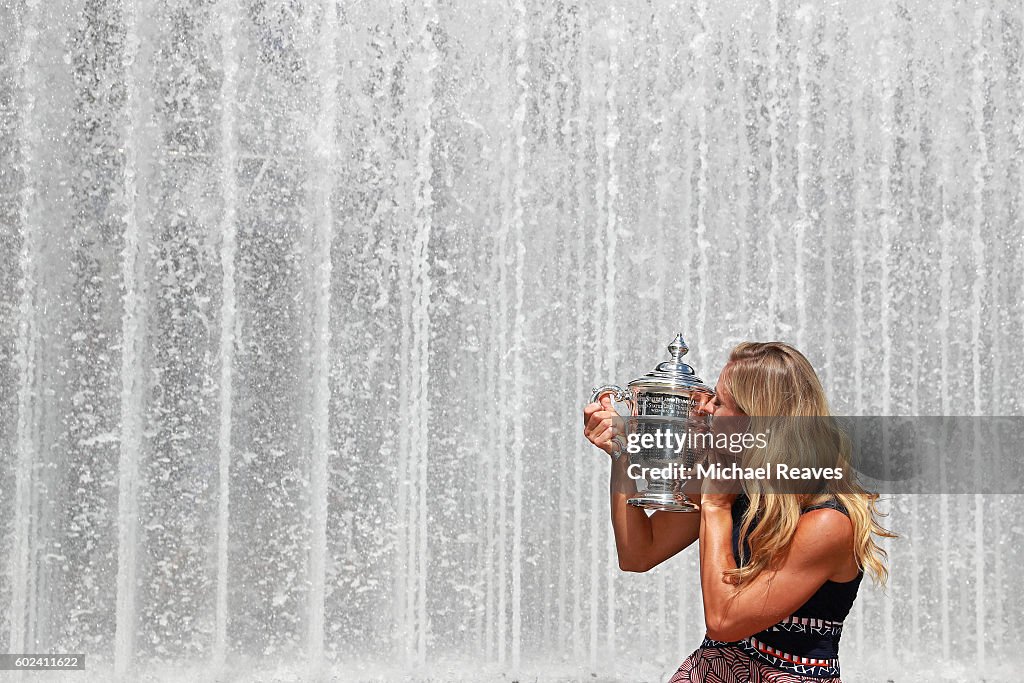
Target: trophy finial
x=678 y=348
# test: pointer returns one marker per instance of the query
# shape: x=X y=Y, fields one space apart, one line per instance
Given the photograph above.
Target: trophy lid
x=673 y=373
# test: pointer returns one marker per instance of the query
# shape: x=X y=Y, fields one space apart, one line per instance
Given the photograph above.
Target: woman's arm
x=821 y=544
x=641 y=542
x=644 y=542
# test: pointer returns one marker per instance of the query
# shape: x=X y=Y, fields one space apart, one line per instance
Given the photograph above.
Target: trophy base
x=669 y=502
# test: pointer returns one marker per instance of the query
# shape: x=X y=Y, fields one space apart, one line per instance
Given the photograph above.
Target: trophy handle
x=619 y=395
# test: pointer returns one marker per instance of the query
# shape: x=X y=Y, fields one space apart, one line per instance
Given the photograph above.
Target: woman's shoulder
x=742 y=502
x=837 y=522
x=823 y=532
x=832 y=502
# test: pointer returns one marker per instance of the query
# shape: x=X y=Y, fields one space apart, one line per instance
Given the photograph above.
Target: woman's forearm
x=715 y=557
x=632 y=527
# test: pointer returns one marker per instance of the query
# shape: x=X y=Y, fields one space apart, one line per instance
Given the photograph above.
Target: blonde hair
x=770 y=382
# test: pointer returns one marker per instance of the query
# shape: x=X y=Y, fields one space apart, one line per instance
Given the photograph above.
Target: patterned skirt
x=716 y=662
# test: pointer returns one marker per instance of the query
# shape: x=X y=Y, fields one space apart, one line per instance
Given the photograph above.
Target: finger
x=606 y=401
x=611 y=430
x=596 y=425
x=589 y=410
x=600 y=419
x=705 y=405
x=605 y=438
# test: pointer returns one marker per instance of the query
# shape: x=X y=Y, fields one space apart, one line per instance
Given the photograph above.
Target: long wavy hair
x=771 y=382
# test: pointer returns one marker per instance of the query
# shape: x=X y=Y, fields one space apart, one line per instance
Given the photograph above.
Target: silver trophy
x=664 y=428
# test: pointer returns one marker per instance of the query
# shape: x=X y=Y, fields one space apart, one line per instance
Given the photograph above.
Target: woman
x=779 y=571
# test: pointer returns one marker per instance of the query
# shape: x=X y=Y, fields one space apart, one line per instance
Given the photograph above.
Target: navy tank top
x=806 y=642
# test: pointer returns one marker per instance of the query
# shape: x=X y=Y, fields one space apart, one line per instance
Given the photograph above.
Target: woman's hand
x=719 y=493
x=707 y=404
x=718 y=501
x=599 y=421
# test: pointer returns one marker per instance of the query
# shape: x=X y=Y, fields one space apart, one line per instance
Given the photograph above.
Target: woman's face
x=727 y=418
x=722 y=405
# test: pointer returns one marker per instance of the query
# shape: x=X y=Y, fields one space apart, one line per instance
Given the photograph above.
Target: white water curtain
x=301 y=302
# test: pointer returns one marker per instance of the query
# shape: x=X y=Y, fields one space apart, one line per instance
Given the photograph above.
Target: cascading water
x=300 y=303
